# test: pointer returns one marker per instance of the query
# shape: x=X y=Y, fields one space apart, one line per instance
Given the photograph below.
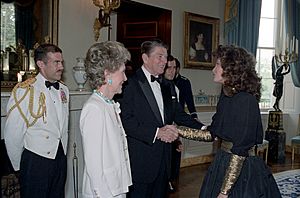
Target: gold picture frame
x=201 y=38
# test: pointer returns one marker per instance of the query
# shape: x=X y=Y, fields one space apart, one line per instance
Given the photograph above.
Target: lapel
x=60 y=109
x=169 y=100
x=51 y=117
x=144 y=84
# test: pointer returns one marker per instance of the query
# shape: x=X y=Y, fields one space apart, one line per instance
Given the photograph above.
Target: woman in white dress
x=106 y=161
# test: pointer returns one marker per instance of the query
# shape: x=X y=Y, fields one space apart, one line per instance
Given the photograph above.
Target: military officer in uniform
x=185 y=91
x=36 y=129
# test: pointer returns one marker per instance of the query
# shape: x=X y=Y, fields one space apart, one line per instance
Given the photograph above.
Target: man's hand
x=167 y=134
x=179 y=147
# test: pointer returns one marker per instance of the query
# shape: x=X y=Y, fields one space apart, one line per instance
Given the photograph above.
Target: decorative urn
x=79 y=74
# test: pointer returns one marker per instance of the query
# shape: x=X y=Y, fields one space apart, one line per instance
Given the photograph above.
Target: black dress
x=202 y=55
x=238 y=120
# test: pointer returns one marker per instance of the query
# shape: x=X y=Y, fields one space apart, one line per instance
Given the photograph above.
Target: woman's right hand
x=168 y=133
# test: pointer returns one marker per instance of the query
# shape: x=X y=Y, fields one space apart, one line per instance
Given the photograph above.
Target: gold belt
x=227 y=146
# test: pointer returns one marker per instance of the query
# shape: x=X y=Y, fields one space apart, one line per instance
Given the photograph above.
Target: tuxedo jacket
x=141 y=118
x=44 y=135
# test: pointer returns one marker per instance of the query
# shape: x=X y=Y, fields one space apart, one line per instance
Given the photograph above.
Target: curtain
x=231 y=22
x=292 y=19
x=288 y=26
x=242 y=23
x=24 y=23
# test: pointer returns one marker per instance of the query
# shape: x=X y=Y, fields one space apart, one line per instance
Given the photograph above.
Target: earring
x=109 y=81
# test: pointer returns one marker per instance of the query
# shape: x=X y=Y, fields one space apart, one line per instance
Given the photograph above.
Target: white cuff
x=155 y=135
x=203 y=128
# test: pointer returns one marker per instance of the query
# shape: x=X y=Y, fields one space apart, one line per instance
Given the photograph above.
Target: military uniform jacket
x=185 y=94
x=41 y=135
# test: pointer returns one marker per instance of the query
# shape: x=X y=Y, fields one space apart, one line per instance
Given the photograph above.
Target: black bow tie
x=158 y=79
x=49 y=84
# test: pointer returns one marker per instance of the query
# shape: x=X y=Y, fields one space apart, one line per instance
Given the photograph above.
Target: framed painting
x=201 y=38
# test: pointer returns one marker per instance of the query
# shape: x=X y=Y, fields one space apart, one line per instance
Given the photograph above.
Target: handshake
x=169 y=133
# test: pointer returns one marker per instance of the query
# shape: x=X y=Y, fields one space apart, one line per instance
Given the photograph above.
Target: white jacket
x=106 y=161
x=44 y=136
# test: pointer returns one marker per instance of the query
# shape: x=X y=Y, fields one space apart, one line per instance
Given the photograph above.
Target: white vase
x=79 y=74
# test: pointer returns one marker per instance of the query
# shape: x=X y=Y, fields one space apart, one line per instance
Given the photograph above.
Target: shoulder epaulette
x=26 y=83
x=41 y=112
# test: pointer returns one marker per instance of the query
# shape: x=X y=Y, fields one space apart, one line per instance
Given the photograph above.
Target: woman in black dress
x=199 y=49
x=236 y=172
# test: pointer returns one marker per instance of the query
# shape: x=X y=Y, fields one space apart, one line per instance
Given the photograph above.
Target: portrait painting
x=201 y=39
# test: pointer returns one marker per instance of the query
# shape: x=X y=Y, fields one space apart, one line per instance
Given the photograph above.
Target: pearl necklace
x=107 y=100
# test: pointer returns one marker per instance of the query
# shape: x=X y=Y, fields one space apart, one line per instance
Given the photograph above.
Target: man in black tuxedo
x=149 y=109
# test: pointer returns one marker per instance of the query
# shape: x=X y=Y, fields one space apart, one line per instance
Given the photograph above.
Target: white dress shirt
x=155 y=86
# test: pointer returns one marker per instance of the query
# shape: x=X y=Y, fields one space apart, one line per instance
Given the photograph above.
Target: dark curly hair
x=238 y=70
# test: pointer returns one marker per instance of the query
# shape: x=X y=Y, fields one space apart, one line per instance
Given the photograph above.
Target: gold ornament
x=41 y=112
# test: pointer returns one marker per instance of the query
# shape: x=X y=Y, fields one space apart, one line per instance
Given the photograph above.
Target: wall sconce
x=103 y=20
